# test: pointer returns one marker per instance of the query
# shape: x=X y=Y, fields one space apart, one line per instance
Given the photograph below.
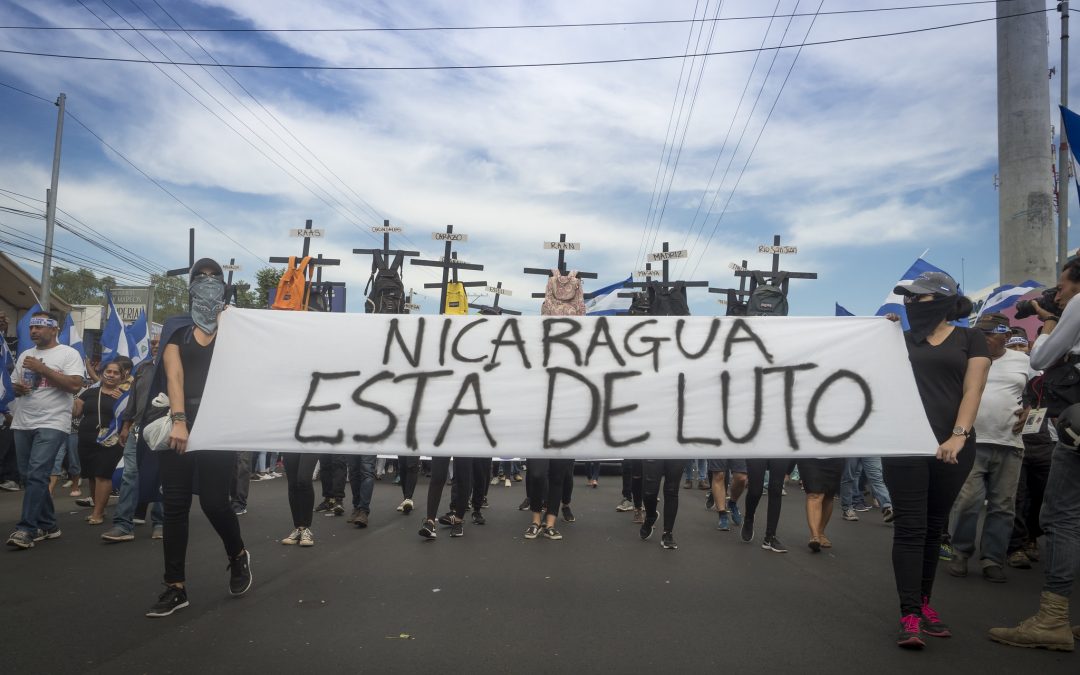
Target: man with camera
x=1057 y=353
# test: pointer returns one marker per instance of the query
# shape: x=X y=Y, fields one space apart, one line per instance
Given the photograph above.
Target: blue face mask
x=207 y=300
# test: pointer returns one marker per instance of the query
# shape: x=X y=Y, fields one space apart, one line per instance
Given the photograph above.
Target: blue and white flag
x=113 y=430
x=138 y=335
x=894 y=303
x=70 y=336
x=606 y=301
x=842 y=311
x=1006 y=296
x=1071 y=122
x=22 y=330
x=114 y=338
x=7 y=361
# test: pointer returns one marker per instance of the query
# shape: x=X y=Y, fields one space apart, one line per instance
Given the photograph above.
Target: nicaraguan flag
x=114 y=339
x=842 y=311
x=22 y=329
x=70 y=336
x=1006 y=296
x=118 y=409
x=138 y=335
x=7 y=361
x=895 y=303
x=1071 y=122
x=606 y=301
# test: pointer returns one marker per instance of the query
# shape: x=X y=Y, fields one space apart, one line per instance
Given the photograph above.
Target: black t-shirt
x=195 y=360
x=939 y=374
x=88 y=425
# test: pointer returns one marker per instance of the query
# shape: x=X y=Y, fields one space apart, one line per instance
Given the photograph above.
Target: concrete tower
x=1027 y=232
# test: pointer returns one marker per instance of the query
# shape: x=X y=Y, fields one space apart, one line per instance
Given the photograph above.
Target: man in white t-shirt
x=45 y=379
x=999 y=453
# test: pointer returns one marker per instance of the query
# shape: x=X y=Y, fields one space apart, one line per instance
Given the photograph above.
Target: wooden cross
x=318 y=263
x=776 y=276
x=562 y=246
x=382 y=256
x=665 y=256
x=497 y=290
x=735 y=296
x=448 y=263
x=180 y=271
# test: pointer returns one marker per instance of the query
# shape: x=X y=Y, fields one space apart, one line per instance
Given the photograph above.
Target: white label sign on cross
x=769 y=248
x=230 y=268
x=412 y=307
x=387 y=228
x=649 y=273
x=499 y=291
x=449 y=236
x=735 y=267
x=668 y=255
x=301 y=232
x=562 y=245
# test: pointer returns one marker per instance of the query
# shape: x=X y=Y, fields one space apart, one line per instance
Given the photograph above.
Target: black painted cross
x=494 y=308
x=180 y=271
x=562 y=246
x=776 y=276
x=449 y=262
x=318 y=262
x=665 y=256
x=735 y=296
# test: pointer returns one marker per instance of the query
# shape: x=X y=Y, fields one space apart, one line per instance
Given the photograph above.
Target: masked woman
x=185 y=366
x=950 y=366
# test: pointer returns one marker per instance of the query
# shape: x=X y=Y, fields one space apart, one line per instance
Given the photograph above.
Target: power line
x=592 y=24
x=38 y=247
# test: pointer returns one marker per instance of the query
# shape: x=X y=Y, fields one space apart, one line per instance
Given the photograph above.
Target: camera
x=1024 y=308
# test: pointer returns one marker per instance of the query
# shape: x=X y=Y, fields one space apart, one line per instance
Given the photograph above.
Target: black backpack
x=641 y=302
x=669 y=301
x=387 y=293
x=766 y=300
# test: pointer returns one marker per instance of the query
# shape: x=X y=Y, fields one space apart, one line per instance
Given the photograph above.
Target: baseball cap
x=206 y=262
x=928 y=283
x=1016 y=340
x=993 y=322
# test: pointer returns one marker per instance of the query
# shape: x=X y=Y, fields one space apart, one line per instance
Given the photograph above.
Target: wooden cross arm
x=666 y=284
x=320 y=262
x=777 y=275
x=547 y=273
x=735 y=291
x=466 y=284
x=178 y=272
x=502 y=310
x=451 y=264
x=373 y=251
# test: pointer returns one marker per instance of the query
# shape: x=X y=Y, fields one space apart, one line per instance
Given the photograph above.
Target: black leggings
x=756 y=469
x=332 y=470
x=440 y=469
x=408 y=469
x=213 y=469
x=568 y=482
x=631 y=481
x=545 y=482
x=671 y=471
x=299 y=468
x=480 y=475
x=923 y=490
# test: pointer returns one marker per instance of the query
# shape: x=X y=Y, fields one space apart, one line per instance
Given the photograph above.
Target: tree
x=80 y=287
x=246 y=298
x=266 y=279
x=170 y=296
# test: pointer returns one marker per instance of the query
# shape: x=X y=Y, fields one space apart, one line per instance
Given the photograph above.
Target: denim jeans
x=129 y=490
x=35 y=451
x=241 y=483
x=849 y=483
x=1060 y=519
x=993 y=478
x=362 y=480
x=698 y=466
x=592 y=470
x=70 y=449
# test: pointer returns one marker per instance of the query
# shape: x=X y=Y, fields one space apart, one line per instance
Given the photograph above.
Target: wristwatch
x=960 y=431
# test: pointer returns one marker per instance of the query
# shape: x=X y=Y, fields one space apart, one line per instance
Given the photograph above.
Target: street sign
x=387 y=228
x=130 y=300
x=499 y=291
x=562 y=245
x=649 y=273
x=768 y=248
x=449 y=236
x=667 y=255
x=314 y=233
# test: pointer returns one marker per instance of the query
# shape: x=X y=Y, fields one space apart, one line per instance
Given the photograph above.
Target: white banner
x=582 y=387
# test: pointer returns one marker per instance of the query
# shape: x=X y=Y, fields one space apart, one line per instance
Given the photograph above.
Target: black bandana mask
x=207 y=300
x=924 y=317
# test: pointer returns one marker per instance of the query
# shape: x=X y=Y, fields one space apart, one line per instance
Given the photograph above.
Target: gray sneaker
x=158 y=532
x=116 y=533
x=21 y=539
x=625 y=505
x=10 y=486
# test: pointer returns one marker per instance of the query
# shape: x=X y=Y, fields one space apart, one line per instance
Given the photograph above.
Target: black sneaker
x=709 y=501
x=550 y=533
x=648 y=526
x=478 y=518
x=910 y=635
x=747 y=533
x=668 y=541
x=337 y=509
x=446 y=519
x=567 y=514
x=524 y=506
x=168 y=602
x=773 y=544
x=240 y=574
x=324 y=505
x=427 y=530
x=532 y=531
x=457 y=527
x=484 y=504
x=994 y=574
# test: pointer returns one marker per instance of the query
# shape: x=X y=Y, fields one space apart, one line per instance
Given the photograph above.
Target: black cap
x=206 y=262
x=928 y=283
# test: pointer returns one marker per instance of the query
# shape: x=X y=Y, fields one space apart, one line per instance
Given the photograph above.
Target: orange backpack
x=294 y=286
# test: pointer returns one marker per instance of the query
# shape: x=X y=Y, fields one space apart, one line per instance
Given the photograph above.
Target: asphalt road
x=382 y=600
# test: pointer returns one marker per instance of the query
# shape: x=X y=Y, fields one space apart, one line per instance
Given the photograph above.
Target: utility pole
x=1063 y=143
x=50 y=207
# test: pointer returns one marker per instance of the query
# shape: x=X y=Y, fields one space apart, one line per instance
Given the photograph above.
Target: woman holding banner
x=950 y=366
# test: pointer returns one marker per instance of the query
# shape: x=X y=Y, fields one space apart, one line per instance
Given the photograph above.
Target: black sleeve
x=85 y=396
x=977 y=344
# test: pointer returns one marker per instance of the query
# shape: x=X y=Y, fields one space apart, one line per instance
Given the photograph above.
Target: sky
x=862 y=154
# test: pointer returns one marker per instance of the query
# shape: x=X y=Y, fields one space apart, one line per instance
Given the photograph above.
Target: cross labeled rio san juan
x=782 y=250
x=584 y=387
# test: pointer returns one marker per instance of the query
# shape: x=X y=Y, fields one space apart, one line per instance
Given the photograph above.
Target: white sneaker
x=405 y=506
x=495 y=480
x=849 y=514
x=306 y=538
x=12 y=486
x=294 y=537
x=507 y=483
